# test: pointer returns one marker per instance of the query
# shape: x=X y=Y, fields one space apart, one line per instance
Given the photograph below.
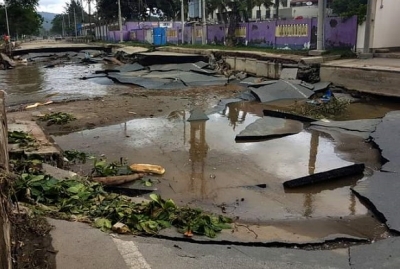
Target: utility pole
x=5 y=8
x=63 y=26
x=76 y=32
x=204 y=34
x=183 y=21
x=368 y=20
x=90 y=19
x=121 y=38
x=82 y=12
x=320 y=29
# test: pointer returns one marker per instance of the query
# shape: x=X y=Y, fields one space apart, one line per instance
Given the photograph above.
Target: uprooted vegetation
x=84 y=200
x=22 y=139
x=58 y=118
x=330 y=110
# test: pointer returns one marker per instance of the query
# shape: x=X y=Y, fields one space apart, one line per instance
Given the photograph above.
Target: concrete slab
x=282 y=89
x=45 y=147
x=382 y=254
x=289 y=73
x=129 y=67
x=269 y=127
x=148 y=83
x=361 y=128
x=381 y=191
x=386 y=137
x=377 y=75
x=57 y=172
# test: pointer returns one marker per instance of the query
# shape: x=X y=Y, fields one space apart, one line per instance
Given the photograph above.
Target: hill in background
x=48 y=17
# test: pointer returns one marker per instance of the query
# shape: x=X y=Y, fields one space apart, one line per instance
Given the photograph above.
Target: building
x=384 y=15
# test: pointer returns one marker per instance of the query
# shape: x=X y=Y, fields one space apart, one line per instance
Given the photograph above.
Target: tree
x=71 y=9
x=23 y=18
x=348 y=8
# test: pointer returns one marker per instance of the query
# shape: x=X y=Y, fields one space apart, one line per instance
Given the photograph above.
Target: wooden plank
x=5 y=228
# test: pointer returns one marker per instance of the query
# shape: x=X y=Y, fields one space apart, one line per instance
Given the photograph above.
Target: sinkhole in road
x=206 y=168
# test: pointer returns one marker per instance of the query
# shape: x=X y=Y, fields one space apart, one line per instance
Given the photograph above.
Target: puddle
x=206 y=167
x=34 y=83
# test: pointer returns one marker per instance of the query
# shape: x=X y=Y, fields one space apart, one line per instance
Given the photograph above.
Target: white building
x=385 y=15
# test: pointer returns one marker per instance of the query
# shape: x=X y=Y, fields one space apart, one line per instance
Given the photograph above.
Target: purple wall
x=340 y=33
x=292 y=34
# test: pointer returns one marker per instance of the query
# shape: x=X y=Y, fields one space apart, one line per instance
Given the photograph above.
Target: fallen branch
x=117 y=180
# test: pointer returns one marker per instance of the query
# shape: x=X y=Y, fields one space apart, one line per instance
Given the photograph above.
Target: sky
x=55 y=6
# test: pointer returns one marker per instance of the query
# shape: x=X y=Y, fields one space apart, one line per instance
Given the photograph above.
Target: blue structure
x=159 y=36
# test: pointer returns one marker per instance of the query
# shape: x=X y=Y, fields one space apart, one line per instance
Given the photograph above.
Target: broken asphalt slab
x=282 y=89
x=386 y=136
x=383 y=254
x=268 y=128
x=381 y=192
x=362 y=128
x=148 y=83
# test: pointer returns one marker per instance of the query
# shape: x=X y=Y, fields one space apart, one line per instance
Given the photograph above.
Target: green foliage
x=75 y=156
x=58 y=118
x=84 y=199
x=24 y=140
x=23 y=18
x=348 y=8
x=71 y=8
x=103 y=169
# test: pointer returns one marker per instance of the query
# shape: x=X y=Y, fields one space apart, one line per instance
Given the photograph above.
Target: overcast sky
x=56 y=6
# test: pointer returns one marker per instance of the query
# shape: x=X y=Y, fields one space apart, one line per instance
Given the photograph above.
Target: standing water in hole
x=206 y=167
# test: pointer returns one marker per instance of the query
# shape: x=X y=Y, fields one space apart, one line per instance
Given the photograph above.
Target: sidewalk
x=377 y=75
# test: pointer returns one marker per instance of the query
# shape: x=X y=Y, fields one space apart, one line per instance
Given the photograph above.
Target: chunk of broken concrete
x=338 y=173
x=289 y=73
x=57 y=172
x=267 y=128
x=386 y=137
x=282 y=89
x=362 y=128
x=381 y=192
x=382 y=255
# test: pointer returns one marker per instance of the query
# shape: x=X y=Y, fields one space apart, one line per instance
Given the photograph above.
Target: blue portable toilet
x=159 y=36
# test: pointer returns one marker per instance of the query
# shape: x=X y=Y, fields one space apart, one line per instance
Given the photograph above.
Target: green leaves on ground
x=23 y=139
x=75 y=156
x=103 y=169
x=58 y=118
x=85 y=199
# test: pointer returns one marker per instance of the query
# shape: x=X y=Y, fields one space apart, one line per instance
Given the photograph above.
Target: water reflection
x=236 y=113
x=198 y=153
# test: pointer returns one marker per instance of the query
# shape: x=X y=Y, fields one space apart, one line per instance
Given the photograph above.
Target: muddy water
x=205 y=166
x=34 y=83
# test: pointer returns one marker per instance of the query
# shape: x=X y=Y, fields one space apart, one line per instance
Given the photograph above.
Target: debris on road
x=362 y=128
x=289 y=73
x=117 y=180
x=320 y=110
x=338 y=173
x=269 y=128
x=381 y=193
x=38 y=104
x=282 y=89
x=386 y=137
x=58 y=118
x=78 y=197
x=147 y=168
